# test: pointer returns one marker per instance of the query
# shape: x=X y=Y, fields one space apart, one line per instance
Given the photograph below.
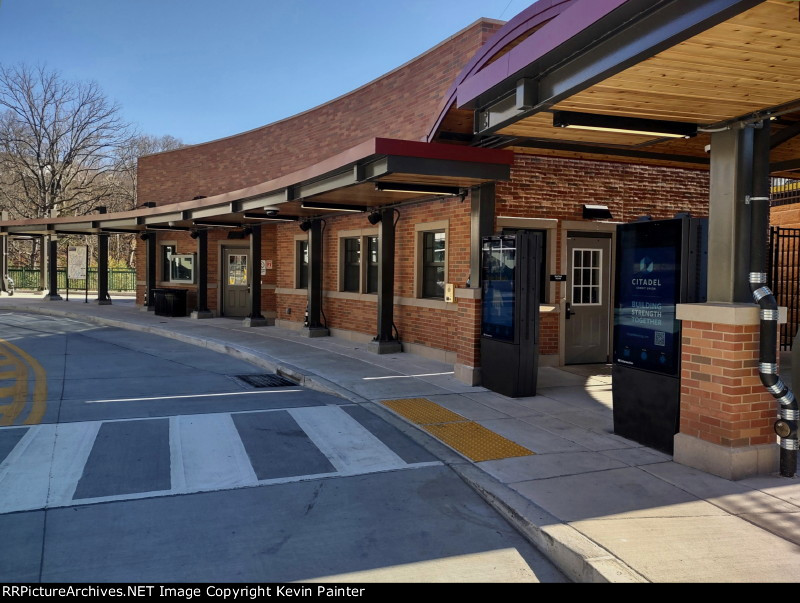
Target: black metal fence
x=118 y=279
x=784 y=270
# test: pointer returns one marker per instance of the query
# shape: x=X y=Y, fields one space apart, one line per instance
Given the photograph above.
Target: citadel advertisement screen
x=646 y=333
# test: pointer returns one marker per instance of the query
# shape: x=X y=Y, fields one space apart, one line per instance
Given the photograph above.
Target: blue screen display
x=646 y=332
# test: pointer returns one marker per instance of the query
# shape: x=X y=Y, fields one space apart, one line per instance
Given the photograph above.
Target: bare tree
x=124 y=197
x=127 y=157
x=59 y=142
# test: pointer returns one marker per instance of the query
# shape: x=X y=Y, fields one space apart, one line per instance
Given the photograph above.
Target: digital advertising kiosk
x=510 y=271
x=659 y=265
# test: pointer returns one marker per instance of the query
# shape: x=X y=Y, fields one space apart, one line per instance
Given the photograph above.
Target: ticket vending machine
x=510 y=271
x=659 y=265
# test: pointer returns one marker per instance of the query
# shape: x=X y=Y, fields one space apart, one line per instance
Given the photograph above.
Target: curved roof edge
x=531 y=18
x=341 y=96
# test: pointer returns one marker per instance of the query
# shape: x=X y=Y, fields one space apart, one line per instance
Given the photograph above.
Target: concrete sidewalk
x=603 y=508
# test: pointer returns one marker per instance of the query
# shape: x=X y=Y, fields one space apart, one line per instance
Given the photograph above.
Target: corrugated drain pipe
x=786 y=425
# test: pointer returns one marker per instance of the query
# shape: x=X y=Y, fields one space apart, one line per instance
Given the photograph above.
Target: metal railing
x=783 y=270
x=118 y=279
x=784 y=191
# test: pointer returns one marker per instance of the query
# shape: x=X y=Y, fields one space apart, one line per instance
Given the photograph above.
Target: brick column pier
x=726 y=415
x=468 y=337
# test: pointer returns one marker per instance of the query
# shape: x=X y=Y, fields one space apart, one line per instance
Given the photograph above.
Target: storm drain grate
x=266 y=380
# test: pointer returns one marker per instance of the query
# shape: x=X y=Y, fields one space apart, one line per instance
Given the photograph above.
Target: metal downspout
x=786 y=425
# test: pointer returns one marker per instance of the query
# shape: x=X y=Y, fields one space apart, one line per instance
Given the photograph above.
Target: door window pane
x=587 y=276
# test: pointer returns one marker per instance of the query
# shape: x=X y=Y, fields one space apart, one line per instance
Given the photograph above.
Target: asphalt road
x=127 y=457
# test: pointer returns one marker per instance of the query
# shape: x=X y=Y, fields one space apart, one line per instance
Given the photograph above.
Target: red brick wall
x=786 y=216
x=431 y=327
x=398 y=105
x=186 y=244
x=722 y=398
x=548 y=187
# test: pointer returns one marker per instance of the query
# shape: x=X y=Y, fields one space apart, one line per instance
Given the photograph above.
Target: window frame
x=363 y=236
x=421 y=230
x=299 y=255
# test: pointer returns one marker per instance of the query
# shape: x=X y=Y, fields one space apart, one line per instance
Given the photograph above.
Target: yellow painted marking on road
x=422 y=411
x=39 y=394
x=19 y=389
x=476 y=442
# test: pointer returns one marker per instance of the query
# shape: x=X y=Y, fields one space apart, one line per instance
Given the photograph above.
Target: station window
x=351 y=264
x=434 y=255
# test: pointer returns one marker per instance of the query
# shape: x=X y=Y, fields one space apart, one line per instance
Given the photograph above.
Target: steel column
x=202 y=271
x=102 y=266
x=385 y=342
x=316 y=326
x=52 y=269
x=150 y=302
x=255 y=318
x=729 y=216
x=3 y=255
x=481 y=225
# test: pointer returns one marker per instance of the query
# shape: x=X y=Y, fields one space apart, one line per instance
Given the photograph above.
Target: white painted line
x=25 y=472
x=407 y=376
x=74 y=442
x=283 y=391
x=212 y=454
x=177 y=472
x=348 y=445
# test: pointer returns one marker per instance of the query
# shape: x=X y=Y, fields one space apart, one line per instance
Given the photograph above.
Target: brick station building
x=352 y=218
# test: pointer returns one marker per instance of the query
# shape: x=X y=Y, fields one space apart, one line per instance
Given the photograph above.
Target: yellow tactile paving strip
x=472 y=440
x=422 y=411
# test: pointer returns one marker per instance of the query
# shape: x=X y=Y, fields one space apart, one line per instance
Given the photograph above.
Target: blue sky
x=205 y=69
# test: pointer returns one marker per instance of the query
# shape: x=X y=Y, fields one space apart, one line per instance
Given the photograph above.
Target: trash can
x=170 y=302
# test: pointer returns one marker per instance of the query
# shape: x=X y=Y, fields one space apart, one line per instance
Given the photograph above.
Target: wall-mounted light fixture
x=374 y=217
x=420 y=189
x=623 y=125
x=596 y=212
x=332 y=206
x=305 y=225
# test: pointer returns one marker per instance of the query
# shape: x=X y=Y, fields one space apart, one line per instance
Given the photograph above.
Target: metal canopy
x=709 y=63
x=348 y=178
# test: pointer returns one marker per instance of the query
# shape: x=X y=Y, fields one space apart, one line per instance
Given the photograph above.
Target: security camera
x=271 y=211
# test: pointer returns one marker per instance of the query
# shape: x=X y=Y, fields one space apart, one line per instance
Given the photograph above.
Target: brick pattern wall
x=398 y=105
x=468 y=342
x=186 y=244
x=548 y=187
x=432 y=327
x=786 y=216
x=548 y=333
x=722 y=398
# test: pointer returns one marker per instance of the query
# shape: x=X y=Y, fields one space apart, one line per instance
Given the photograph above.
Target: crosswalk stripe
x=25 y=473
x=348 y=445
x=209 y=455
x=74 y=442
